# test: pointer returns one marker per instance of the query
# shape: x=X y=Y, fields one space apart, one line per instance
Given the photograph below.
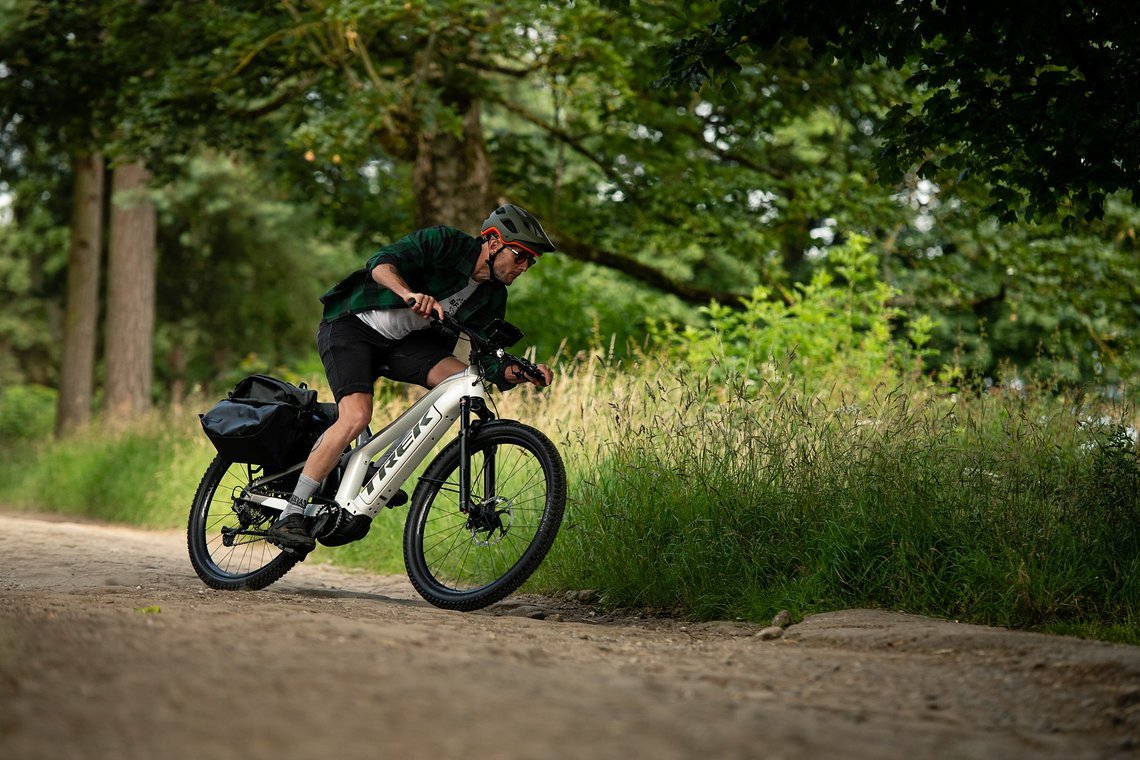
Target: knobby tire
x=456 y=568
x=250 y=564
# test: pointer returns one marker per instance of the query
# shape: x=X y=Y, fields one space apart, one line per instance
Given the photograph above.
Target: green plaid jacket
x=438 y=261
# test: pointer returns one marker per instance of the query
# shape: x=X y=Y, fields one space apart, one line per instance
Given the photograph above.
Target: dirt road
x=110 y=647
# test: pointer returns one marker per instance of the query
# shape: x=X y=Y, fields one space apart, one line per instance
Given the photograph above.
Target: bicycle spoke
x=223 y=553
x=465 y=552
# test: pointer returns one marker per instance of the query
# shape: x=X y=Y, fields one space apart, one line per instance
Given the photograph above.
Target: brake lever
x=529 y=369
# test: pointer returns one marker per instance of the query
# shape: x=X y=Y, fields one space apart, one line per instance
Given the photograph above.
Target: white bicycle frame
x=406 y=442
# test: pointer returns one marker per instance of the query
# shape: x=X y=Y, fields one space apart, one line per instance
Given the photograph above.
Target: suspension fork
x=467 y=406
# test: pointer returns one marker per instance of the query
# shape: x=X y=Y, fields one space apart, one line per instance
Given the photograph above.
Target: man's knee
x=443 y=370
x=354 y=413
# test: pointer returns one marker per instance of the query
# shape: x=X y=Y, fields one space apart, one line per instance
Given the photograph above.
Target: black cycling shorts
x=355 y=355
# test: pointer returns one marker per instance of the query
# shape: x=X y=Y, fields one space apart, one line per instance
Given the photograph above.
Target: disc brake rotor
x=490 y=521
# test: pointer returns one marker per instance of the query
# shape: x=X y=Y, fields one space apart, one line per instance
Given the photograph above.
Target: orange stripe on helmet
x=524 y=246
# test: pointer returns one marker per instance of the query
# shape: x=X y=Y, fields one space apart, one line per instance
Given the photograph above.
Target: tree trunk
x=77 y=365
x=451 y=176
x=129 y=360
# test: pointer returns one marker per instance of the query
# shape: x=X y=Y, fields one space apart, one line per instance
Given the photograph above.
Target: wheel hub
x=489 y=521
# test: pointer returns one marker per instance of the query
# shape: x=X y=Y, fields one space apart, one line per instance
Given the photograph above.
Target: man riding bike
x=369 y=331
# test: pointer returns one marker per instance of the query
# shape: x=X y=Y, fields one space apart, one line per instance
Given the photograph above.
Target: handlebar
x=480 y=346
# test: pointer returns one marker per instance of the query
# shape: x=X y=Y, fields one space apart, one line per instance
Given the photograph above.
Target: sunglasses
x=521 y=256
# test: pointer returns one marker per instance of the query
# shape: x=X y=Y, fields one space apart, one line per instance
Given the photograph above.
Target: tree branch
x=565 y=137
x=507 y=71
x=647 y=275
x=283 y=96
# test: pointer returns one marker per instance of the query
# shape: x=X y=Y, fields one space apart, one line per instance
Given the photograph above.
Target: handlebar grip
x=411 y=302
x=530 y=370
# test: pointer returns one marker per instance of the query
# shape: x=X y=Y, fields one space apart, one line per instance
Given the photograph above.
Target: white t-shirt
x=398 y=323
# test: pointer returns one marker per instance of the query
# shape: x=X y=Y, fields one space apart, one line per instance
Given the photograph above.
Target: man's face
x=511 y=262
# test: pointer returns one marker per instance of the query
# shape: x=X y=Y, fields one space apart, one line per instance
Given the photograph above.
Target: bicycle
x=483 y=514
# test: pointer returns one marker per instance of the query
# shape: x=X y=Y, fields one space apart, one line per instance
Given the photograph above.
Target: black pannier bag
x=266 y=421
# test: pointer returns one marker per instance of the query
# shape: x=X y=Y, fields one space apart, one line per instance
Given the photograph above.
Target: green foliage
x=27 y=415
x=144 y=473
x=842 y=318
x=240 y=276
x=1029 y=295
x=33 y=255
x=565 y=306
x=1038 y=107
x=716 y=192
x=708 y=195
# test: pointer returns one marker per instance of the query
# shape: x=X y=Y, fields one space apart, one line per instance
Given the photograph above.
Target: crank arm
x=230 y=534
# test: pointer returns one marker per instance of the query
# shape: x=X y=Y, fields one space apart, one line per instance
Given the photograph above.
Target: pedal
x=399 y=499
x=296 y=554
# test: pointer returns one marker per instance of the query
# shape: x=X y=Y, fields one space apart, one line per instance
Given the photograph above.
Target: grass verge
x=1013 y=509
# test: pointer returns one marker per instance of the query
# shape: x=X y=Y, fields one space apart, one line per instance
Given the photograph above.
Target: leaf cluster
x=320 y=108
x=843 y=318
x=1036 y=98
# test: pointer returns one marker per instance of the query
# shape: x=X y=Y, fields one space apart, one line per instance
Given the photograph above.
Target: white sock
x=306 y=487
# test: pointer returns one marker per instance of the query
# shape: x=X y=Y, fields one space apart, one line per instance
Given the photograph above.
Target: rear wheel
x=225 y=533
x=464 y=557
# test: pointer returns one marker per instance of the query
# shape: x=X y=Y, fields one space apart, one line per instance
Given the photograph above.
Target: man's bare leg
x=354 y=412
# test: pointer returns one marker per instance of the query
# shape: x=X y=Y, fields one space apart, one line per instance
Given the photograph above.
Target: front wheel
x=465 y=557
x=226 y=532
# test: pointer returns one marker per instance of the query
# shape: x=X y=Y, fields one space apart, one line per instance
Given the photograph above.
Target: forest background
x=894 y=251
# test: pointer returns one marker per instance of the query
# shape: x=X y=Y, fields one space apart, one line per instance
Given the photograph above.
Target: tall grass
x=143 y=474
x=735 y=500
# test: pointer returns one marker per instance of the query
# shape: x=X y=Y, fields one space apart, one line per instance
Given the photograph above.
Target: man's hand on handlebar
x=541 y=376
x=425 y=305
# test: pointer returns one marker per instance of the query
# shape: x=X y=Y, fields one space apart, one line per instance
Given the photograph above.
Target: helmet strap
x=491 y=261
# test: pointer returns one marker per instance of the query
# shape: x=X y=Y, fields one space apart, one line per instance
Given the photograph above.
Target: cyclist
x=369 y=331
